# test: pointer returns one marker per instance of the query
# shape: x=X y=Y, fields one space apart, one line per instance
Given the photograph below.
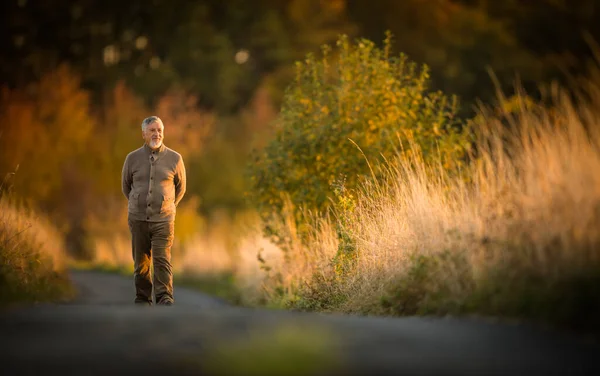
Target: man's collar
x=158 y=150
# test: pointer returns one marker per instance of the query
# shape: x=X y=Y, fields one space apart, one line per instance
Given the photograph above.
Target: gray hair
x=149 y=120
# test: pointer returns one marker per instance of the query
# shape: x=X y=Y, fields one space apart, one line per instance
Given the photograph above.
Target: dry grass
x=519 y=237
x=203 y=248
x=32 y=258
x=217 y=255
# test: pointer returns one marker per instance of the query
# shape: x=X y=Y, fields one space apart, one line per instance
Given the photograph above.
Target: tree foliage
x=346 y=111
x=461 y=43
x=189 y=44
x=45 y=129
x=194 y=44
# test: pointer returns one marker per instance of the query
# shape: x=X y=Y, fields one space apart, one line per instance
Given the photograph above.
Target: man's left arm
x=180 y=181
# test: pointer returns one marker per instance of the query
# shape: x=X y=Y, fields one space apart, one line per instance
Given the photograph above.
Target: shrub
x=342 y=113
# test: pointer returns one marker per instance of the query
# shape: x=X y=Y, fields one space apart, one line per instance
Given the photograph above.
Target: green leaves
x=346 y=112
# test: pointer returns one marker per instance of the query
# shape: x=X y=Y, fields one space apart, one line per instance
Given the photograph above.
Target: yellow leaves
x=52 y=124
x=369 y=101
x=372 y=125
x=370 y=139
x=307 y=103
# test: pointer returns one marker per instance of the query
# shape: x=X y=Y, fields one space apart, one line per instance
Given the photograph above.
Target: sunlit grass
x=218 y=257
x=32 y=257
x=516 y=235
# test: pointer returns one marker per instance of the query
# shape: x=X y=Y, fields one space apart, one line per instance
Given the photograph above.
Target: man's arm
x=180 y=181
x=126 y=178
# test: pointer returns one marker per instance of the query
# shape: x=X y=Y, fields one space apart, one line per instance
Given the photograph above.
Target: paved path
x=102 y=333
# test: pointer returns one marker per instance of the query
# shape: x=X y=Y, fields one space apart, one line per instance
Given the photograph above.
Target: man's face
x=153 y=135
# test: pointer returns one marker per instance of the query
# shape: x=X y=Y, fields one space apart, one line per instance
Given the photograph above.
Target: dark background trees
x=223 y=50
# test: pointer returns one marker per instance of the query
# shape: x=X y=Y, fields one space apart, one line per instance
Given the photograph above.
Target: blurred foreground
x=99 y=334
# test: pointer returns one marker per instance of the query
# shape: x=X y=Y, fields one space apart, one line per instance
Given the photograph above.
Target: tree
x=46 y=128
x=218 y=51
x=556 y=31
x=342 y=115
x=458 y=42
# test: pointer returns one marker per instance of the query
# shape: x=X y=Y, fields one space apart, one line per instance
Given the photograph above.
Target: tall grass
x=216 y=254
x=518 y=237
x=32 y=258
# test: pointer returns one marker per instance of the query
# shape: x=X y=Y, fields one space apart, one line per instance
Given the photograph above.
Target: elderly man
x=153 y=181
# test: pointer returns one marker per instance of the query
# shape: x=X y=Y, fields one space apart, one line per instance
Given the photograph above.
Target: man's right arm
x=126 y=178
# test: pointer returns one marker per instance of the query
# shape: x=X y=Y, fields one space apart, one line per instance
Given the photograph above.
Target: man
x=153 y=181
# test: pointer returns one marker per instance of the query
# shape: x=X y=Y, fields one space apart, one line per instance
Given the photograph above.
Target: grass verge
x=516 y=235
x=32 y=259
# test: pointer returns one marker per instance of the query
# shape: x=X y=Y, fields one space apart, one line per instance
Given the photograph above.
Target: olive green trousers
x=151 y=245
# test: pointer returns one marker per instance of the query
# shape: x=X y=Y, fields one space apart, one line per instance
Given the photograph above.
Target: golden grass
x=205 y=248
x=32 y=256
x=217 y=254
x=518 y=237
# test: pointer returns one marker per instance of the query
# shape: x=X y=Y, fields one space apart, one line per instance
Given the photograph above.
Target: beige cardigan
x=153 y=188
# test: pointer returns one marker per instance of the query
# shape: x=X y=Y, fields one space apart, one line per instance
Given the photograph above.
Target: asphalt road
x=103 y=333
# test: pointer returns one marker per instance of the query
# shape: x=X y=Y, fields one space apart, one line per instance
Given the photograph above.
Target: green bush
x=354 y=107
